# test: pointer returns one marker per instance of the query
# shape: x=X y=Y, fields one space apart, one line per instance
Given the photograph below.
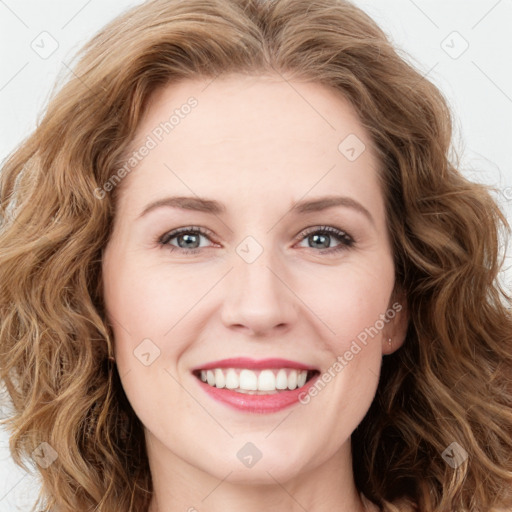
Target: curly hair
x=449 y=382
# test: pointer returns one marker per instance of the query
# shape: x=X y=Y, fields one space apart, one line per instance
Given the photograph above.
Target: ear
x=395 y=330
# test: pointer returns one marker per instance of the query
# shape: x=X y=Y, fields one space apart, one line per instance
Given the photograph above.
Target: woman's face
x=293 y=262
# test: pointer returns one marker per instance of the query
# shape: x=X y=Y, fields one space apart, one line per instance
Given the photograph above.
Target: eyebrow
x=213 y=207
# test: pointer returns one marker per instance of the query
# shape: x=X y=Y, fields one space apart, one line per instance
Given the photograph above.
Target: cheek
x=151 y=309
x=354 y=305
x=145 y=302
x=352 y=300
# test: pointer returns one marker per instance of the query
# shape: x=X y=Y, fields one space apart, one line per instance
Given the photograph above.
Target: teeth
x=281 y=380
x=292 y=380
x=231 y=379
x=220 y=380
x=267 y=381
x=249 y=381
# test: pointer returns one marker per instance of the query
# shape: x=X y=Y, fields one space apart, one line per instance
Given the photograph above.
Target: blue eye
x=323 y=235
x=189 y=239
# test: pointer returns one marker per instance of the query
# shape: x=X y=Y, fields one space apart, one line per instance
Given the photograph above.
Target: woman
x=225 y=220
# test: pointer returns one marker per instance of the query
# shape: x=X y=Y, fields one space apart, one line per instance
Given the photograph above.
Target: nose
x=258 y=299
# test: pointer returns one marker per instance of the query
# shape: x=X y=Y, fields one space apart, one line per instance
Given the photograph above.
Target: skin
x=258 y=145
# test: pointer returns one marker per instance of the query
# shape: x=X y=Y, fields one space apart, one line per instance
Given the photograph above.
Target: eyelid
x=324 y=229
x=346 y=241
x=169 y=235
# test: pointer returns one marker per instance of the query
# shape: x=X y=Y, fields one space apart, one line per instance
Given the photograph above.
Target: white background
x=478 y=85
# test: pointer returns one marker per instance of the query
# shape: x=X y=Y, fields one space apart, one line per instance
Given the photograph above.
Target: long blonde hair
x=450 y=382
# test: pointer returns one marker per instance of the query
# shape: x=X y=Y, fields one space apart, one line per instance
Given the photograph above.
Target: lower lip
x=257 y=403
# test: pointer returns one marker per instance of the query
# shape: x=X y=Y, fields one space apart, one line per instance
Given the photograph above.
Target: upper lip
x=256 y=364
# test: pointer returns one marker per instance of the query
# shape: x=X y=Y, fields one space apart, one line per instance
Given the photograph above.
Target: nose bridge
x=257 y=298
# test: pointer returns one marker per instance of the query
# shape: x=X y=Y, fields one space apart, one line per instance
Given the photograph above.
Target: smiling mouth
x=256 y=382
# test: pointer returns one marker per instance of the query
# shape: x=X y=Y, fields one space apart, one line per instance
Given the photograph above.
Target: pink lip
x=257 y=403
x=245 y=362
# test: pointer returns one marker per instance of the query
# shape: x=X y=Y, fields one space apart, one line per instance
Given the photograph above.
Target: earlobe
x=394 y=333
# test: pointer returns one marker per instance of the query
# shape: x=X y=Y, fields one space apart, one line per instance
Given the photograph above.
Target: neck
x=179 y=486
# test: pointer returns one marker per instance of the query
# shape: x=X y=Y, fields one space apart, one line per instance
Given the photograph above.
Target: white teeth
x=249 y=381
x=267 y=381
x=281 y=380
x=231 y=379
x=292 y=379
x=220 y=380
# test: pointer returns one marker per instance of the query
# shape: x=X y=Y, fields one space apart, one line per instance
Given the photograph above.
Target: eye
x=321 y=237
x=188 y=239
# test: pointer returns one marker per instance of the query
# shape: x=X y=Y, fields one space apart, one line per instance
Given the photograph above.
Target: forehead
x=213 y=136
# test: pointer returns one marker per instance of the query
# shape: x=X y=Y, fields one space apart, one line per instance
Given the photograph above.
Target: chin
x=265 y=468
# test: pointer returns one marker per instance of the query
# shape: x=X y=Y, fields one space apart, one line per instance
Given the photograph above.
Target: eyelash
x=346 y=240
